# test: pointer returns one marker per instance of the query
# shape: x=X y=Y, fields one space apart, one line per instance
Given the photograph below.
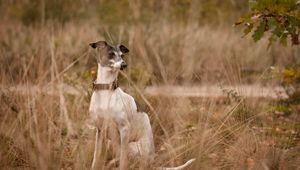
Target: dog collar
x=113 y=86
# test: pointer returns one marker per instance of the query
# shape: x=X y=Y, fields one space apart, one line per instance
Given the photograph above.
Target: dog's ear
x=98 y=44
x=93 y=45
x=123 y=49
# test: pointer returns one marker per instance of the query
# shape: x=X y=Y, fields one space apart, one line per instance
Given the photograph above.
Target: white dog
x=111 y=108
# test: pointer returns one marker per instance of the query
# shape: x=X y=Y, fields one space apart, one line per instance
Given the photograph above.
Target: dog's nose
x=123 y=65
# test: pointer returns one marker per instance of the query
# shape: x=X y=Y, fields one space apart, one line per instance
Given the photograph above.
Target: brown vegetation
x=48 y=129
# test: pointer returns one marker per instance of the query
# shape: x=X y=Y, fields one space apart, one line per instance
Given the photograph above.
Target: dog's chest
x=104 y=101
x=109 y=104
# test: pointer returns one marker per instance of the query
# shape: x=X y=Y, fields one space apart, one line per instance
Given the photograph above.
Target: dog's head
x=108 y=56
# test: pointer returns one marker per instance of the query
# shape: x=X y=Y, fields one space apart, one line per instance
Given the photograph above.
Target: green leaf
x=248 y=29
x=275 y=27
x=272 y=24
x=293 y=20
x=283 y=39
x=240 y=21
x=259 y=32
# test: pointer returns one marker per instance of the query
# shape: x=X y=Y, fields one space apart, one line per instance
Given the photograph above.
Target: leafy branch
x=281 y=18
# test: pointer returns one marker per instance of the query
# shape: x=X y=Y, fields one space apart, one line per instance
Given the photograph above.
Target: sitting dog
x=111 y=108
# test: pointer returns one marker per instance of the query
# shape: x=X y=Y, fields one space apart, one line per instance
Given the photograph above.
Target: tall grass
x=44 y=126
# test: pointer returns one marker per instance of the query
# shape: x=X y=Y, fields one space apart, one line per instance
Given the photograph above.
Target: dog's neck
x=105 y=75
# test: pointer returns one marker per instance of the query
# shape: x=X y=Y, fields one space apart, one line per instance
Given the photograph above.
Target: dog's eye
x=122 y=55
x=111 y=55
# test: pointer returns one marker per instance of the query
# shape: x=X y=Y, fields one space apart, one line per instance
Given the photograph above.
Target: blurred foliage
x=232 y=94
x=113 y=11
x=291 y=75
x=37 y=11
x=244 y=113
x=290 y=80
x=180 y=11
x=288 y=76
x=123 y=11
x=279 y=17
x=30 y=13
x=281 y=109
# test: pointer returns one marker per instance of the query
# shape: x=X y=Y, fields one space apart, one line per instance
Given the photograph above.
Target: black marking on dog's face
x=109 y=56
x=123 y=49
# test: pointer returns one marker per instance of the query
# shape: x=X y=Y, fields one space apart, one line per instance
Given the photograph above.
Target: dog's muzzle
x=123 y=66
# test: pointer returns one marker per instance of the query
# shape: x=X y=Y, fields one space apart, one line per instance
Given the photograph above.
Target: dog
x=114 y=111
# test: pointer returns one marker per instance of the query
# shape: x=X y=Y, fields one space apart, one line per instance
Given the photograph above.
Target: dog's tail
x=178 y=167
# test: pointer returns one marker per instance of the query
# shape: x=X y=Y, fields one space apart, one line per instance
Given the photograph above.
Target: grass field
x=43 y=125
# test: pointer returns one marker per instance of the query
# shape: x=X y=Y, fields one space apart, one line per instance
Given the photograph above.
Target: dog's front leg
x=124 y=136
x=96 y=148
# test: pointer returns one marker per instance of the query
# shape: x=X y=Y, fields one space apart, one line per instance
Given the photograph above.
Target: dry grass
x=48 y=130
